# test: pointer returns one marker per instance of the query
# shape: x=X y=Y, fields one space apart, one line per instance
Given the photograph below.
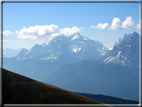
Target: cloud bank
x=70 y=31
x=101 y=26
x=128 y=24
x=46 y=32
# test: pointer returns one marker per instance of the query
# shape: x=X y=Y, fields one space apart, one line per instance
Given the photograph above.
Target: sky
x=27 y=24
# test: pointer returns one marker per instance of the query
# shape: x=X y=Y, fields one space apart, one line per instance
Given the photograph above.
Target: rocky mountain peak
x=44 y=44
x=126 y=52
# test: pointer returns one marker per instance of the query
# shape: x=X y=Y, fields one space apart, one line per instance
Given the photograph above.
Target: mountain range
x=81 y=64
x=75 y=47
x=46 y=59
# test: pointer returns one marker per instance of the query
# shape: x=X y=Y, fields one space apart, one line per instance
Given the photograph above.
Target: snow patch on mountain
x=29 y=51
x=115 y=59
x=98 y=49
x=110 y=48
x=119 y=52
x=92 y=39
x=72 y=47
x=76 y=36
x=52 y=56
x=128 y=45
x=107 y=58
x=76 y=49
x=103 y=52
x=84 y=38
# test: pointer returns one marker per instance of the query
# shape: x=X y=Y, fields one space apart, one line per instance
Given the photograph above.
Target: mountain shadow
x=18 y=89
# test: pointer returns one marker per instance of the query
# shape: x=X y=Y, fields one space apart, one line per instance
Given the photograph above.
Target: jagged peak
x=24 y=49
x=135 y=32
x=44 y=44
x=125 y=35
x=75 y=36
x=36 y=44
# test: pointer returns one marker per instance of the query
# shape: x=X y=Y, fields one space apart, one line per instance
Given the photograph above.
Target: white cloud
x=46 y=32
x=101 y=26
x=7 y=33
x=128 y=23
x=92 y=26
x=138 y=25
x=118 y=25
x=68 y=31
x=37 y=32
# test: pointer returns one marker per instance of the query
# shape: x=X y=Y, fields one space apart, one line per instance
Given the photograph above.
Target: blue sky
x=25 y=24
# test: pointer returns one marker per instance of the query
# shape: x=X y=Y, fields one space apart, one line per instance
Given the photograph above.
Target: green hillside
x=17 y=89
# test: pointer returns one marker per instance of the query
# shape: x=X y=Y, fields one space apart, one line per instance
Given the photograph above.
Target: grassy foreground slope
x=17 y=89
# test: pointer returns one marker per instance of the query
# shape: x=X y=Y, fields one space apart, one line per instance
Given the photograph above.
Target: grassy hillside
x=17 y=89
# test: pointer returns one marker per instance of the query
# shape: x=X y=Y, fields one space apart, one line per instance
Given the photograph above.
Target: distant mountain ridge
x=9 y=53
